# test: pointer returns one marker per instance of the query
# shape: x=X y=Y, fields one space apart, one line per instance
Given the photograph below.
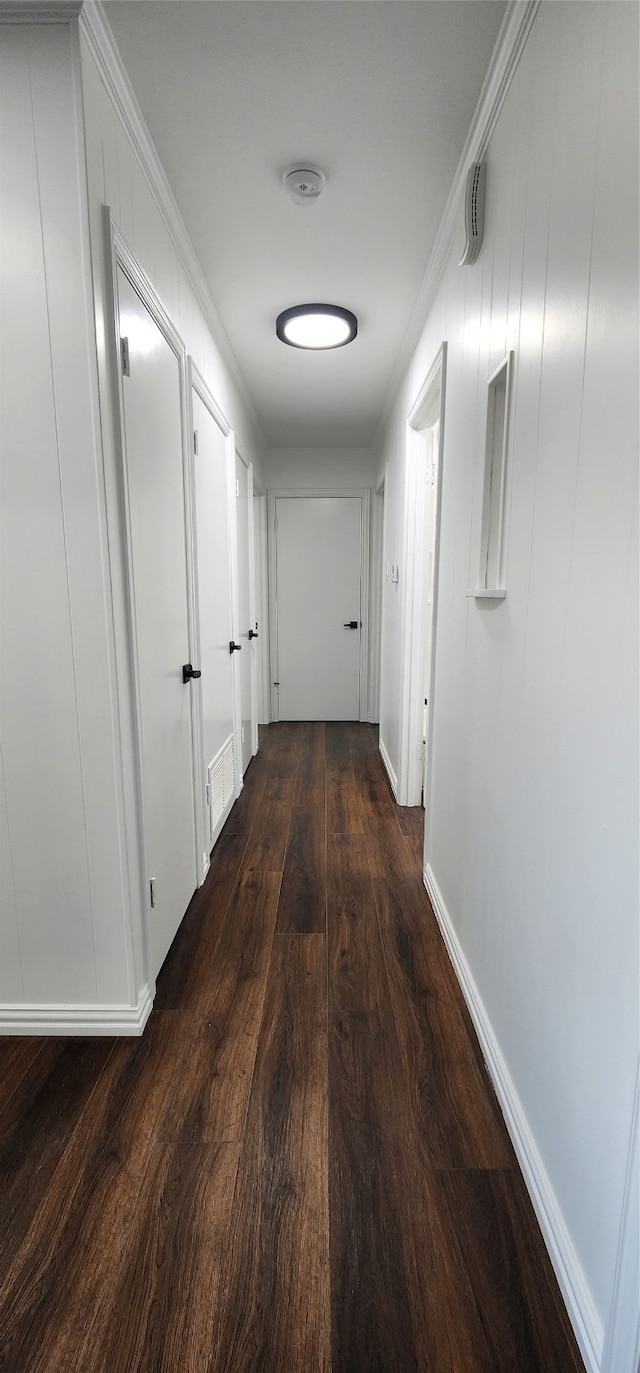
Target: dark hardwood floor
x=301 y=1166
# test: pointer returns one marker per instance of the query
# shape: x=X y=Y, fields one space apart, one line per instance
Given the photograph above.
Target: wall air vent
x=474 y=212
x=221 y=785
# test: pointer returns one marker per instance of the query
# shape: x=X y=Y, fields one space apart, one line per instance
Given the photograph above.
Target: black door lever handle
x=188 y=672
x=234 y=648
x=351 y=624
x=253 y=634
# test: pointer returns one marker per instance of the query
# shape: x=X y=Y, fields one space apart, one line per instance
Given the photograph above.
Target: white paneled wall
x=533 y=839
x=64 y=930
x=72 y=921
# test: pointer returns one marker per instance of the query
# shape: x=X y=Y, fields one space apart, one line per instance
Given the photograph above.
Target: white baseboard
x=390 y=773
x=571 y=1279
x=622 y=1339
x=77 y=1020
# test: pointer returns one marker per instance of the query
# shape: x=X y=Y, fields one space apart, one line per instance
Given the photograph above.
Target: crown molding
x=97 y=34
x=36 y=12
x=514 y=32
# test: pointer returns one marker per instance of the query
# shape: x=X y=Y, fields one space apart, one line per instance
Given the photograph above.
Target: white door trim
x=197 y=383
x=622 y=1334
x=252 y=605
x=329 y=493
x=427 y=408
x=122 y=257
x=262 y=608
x=252 y=610
x=232 y=521
x=375 y=636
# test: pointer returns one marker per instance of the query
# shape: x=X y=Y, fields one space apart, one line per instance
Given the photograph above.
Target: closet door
x=244 y=498
x=215 y=618
x=154 y=479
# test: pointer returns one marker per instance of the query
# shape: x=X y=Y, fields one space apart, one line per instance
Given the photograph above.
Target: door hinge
x=238 y=487
x=152 y=891
x=195 y=441
x=124 y=357
x=207 y=792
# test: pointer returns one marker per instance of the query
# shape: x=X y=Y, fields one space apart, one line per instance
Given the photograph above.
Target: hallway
x=301 y=1165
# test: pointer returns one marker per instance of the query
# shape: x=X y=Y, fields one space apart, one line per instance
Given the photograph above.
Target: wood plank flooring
x=301 y=1167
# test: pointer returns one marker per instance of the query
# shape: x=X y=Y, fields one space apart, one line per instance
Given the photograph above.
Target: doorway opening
x=425 y=428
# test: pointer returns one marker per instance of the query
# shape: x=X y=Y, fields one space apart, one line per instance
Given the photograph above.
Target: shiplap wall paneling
x=533 y=839
x=70 y=931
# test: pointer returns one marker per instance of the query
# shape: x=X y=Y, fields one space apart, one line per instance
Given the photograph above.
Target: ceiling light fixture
x=316 y=326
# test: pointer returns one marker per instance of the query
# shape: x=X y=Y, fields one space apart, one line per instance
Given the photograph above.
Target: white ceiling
x=380 y=95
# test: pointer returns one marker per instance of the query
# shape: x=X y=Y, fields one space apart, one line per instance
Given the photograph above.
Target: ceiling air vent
x=474 y=212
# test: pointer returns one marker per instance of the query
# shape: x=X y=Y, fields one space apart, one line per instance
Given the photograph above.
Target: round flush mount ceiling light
x=316 y=326
x=304 y=184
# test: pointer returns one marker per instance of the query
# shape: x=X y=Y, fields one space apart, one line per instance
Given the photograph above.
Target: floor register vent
x=221 y=783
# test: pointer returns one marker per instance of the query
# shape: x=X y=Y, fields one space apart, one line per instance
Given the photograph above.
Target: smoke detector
x=304 y=184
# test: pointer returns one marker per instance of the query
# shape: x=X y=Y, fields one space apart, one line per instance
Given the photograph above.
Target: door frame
x=375 y=637
x=197 y=383
x=252 y=602
x=328 y=493
x=122 y=257
x=428 y=408
x=262 y=607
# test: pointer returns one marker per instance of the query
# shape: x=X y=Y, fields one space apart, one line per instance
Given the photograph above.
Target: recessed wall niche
x=492 y=572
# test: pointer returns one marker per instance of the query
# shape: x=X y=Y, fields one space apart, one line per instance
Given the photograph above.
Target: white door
x=157 y=529
x=245 y=622
x=318 y=541
x=431 y=505
x=215 y=617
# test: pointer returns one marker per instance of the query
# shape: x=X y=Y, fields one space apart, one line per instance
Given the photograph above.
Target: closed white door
x=431 y=505
x=318 y=607
x=215 y=617
x=157 y=527
x=245 y=623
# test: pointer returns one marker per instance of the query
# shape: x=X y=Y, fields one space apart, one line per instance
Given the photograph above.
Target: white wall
x=535 y=801
x=146 y=216
x=71 y=934
x=64 y=927
x=319 y=467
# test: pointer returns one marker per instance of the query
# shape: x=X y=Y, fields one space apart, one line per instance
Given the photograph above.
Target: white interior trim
x=262 y=607
x=362 y=493
x=82 y=1020
x=571 y=1279
x=96 y=32
x=513 y=35
x=252 y=610
x=622 y=1339
x=375 y=637
x=197 y=381
x=232 y=521
x=427 y=409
